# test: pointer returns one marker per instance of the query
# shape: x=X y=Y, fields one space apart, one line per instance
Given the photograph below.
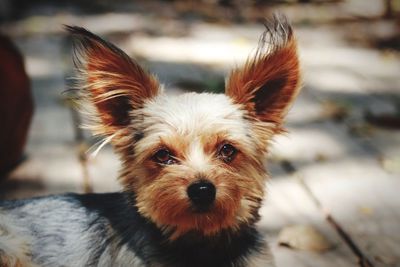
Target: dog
x=192 y=172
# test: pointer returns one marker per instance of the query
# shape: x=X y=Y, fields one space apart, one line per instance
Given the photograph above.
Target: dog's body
x=192 y=167
x=106 y=230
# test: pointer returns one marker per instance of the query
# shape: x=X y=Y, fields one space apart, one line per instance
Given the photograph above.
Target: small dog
x=192 y=167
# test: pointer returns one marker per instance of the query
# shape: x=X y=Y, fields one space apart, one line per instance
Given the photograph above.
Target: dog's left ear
x=268 y=83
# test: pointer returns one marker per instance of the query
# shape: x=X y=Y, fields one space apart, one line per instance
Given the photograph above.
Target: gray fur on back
x=57 y=231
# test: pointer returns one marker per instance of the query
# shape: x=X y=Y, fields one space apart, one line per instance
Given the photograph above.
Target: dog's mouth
x=201 y=209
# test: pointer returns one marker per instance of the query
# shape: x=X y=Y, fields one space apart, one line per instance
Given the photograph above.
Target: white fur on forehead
x=194 y=112
x=191 y=114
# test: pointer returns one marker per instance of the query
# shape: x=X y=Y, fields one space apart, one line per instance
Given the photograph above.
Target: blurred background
x=333 y=199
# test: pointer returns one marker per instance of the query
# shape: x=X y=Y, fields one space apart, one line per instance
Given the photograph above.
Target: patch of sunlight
x=40 y=67
x=353 y=179
x=331 y=80
x=100 y=24
x=113 y=22
x=287 y=203
x=194 y=50
x=364 y=8
x=307 y=145
x=348 y=70
x=304 y=109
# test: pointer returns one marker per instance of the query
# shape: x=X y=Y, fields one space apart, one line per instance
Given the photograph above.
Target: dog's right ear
x=111 y=81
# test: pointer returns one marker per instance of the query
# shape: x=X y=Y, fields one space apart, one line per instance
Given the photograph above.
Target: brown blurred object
x=16 y=106
x=387 y=121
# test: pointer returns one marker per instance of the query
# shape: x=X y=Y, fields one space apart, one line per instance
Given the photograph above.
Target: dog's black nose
x=202 y=194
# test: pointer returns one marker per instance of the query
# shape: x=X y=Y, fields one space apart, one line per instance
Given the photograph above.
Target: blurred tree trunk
x=16 y=105
x=388 y=9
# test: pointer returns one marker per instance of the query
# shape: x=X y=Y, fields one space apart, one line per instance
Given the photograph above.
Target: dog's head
x=194 y=161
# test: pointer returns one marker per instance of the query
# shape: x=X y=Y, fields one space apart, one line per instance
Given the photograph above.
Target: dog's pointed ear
x=268 y=82
x=111 y=81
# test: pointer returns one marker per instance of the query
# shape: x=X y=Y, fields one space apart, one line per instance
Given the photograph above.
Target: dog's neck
x=227 y=248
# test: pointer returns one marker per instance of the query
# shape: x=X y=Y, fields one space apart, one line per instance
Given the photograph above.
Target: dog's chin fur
x=167 y=144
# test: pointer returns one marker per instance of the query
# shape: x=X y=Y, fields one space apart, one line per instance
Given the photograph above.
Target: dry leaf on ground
x=303 y=237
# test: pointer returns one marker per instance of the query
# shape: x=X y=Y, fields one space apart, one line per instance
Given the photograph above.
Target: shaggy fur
x=166 y=144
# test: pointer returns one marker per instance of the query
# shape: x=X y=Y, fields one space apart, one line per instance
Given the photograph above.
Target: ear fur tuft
x=269 y=81
x=110 y=80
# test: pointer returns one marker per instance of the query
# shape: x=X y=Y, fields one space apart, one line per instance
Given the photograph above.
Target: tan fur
x=114 y=84
x=140 y=119
x=8 y=261
x=268 y=83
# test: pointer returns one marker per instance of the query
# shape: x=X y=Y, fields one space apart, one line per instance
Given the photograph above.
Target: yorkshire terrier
x=192 y=166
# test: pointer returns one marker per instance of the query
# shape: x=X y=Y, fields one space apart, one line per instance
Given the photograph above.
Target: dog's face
x=197 y=164
x=195 y=161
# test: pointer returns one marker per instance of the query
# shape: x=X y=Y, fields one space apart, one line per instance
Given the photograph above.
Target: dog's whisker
x=99 y=145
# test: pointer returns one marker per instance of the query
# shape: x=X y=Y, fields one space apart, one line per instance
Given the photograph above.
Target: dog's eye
x=163 y=156
x=227 y=152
